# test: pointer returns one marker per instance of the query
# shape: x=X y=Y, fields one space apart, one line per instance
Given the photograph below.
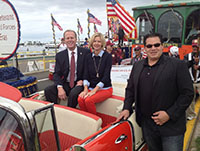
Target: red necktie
x=72 y=70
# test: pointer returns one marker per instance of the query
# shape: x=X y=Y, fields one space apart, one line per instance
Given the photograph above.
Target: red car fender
x=118 y=136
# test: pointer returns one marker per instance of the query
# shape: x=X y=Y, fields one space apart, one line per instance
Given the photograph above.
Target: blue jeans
x=156 y=142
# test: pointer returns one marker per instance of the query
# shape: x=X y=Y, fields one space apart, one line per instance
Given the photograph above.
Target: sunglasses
x=155 y=45
x=137 y=50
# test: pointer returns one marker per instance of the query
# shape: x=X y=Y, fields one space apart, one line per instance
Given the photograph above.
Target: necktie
x=72 y=70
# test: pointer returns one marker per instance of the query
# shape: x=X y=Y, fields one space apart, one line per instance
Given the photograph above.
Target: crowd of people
x=161 y=86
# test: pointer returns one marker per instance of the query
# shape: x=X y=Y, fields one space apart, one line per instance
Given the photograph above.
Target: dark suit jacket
x=172 y=92
x=62 y=65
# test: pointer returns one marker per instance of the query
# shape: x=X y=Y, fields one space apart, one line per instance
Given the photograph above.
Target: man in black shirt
x=161 y=88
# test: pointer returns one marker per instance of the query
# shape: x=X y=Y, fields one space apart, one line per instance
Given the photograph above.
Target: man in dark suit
x=64 y=84
x=161 y=88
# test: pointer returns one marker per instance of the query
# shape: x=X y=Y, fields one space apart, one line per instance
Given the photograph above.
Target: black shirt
x=145 y=87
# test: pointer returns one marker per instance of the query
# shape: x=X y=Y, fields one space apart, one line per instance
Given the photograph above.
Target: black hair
x=152 y=35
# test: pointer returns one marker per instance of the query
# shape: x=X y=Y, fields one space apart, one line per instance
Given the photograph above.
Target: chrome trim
x=20 y=115
x=101 y=133
x=120 y=139
x=77 y=148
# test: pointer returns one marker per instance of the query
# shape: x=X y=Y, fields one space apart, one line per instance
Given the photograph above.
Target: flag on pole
x=93 y=19
x=54 y=22
x=95 y=28
x=80 y=27
x=110 y=9
x=126 y=20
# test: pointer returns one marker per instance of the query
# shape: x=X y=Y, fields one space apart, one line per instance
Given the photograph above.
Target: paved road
x=196 y=133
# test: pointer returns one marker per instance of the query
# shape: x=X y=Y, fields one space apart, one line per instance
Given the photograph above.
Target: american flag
x=93 y=19
x=95 y=28
x=54 y=22
x=126 y=20
x=80 y=27
x=110 y=9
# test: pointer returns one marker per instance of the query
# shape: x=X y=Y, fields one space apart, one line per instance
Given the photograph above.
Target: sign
x=32 y=66
x=9 y=30
x=51 y=67
x=120 y=73
x=126 y=61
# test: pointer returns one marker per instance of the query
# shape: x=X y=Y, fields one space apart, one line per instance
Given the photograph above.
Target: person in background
x=110 y=50
x=68 y=75
x=194 y=69
x=85 y=44
x=120 y=35
x=62 y=46
x=161 y=88
x=194 y=32
x=173 y=51
x=138 y=55
x=97 y=80
x=120 y=55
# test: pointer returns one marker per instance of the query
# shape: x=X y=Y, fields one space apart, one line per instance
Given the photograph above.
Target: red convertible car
x=27 y=124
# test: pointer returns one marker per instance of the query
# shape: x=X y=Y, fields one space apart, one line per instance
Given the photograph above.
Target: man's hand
x=123 y=115
x=79 y=83
x=160 y=117
x=61 y=93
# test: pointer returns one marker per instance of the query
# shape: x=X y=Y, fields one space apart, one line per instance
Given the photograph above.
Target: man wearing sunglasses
x=161 y=88
x=138 y=55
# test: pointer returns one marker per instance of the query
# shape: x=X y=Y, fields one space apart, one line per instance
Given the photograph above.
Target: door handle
x=120 y=139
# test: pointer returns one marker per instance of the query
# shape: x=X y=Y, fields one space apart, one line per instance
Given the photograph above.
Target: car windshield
x=10 y=133
x=46 y=129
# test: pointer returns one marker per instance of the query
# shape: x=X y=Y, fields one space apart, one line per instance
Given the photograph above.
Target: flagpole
x=94 y=28
x=54 y=37
x=78 y=31
x=88 y=24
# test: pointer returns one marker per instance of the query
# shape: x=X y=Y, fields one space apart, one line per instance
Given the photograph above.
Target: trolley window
x=170 y=25
x=145 y=24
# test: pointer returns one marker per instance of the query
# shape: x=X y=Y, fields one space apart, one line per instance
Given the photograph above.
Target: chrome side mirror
x=77 y=148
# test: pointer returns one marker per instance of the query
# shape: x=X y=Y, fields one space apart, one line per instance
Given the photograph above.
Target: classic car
x=33 y=125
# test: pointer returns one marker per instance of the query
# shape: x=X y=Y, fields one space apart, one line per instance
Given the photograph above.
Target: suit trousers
x=88 y=104
x=51 y=94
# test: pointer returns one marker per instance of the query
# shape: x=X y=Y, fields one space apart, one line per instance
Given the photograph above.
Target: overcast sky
x=35 y=20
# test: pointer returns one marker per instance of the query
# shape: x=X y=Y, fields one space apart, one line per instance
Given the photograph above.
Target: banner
x=120 y=73
x=9 y=30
